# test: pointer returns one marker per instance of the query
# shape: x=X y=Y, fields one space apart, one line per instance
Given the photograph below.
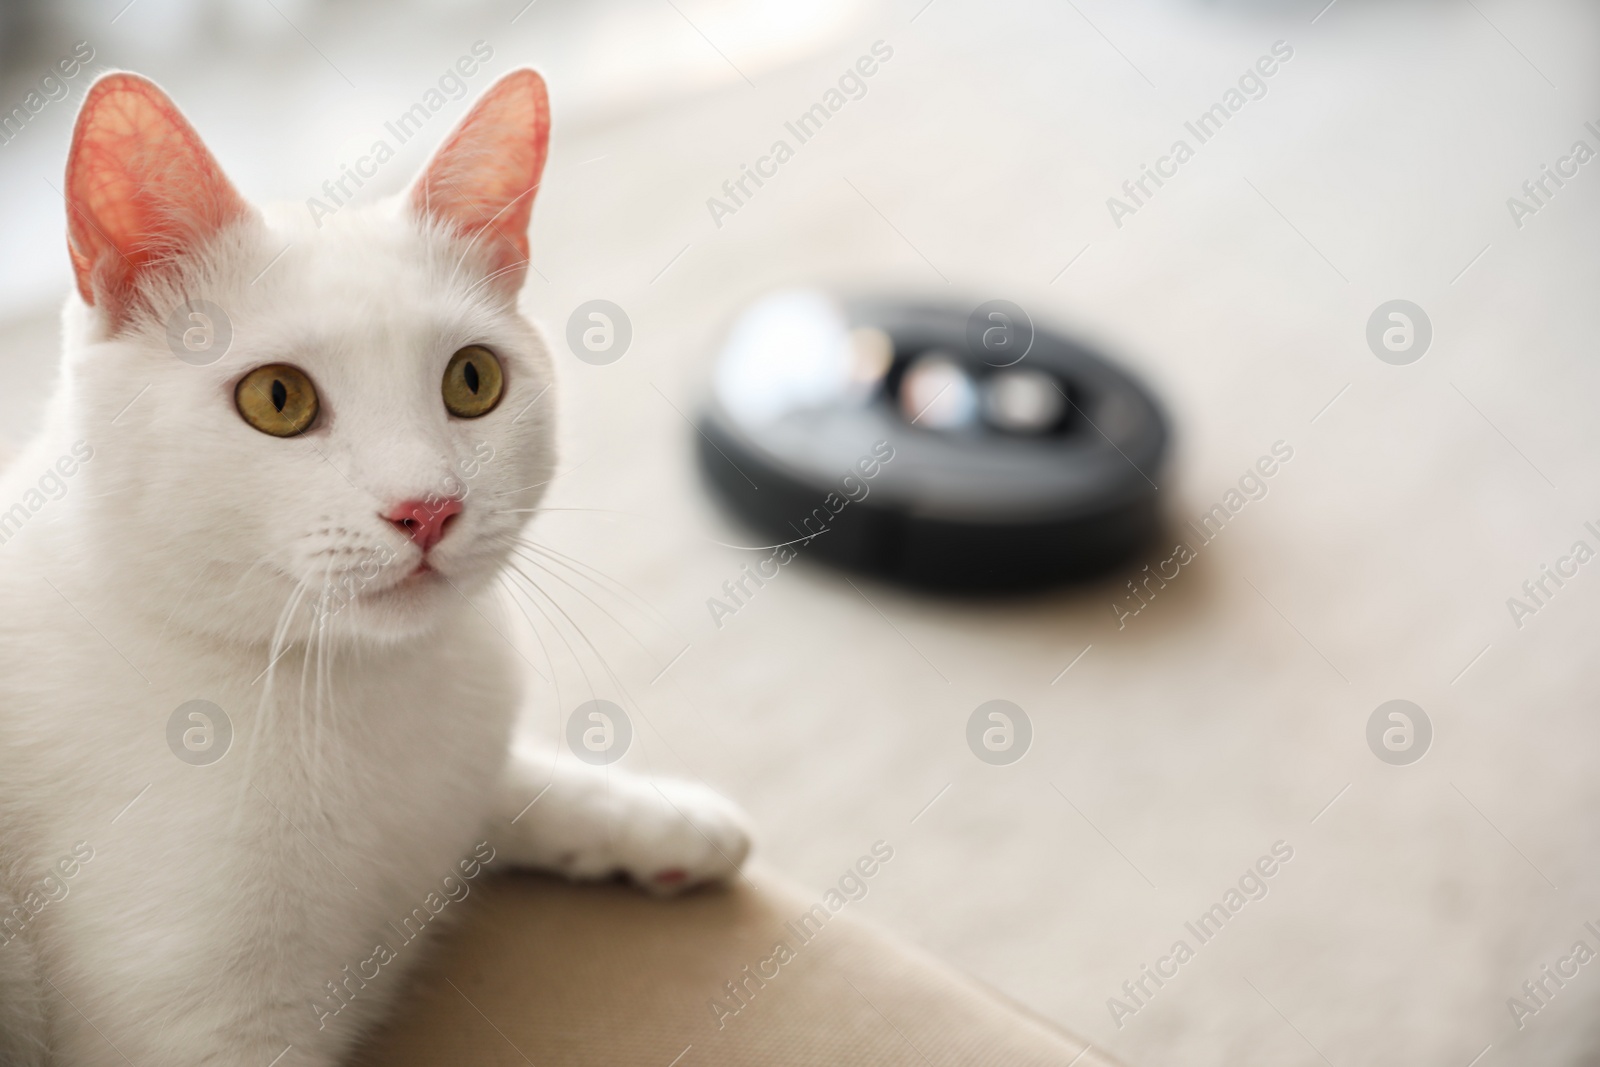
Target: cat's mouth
x=387 y=579
x=424 y=573
x=398 y=586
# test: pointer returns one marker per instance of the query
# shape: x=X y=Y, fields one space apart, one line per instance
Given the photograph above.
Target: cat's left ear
x=481 y=181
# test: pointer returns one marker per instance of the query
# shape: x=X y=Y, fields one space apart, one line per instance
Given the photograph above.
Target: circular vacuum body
x=944 y=447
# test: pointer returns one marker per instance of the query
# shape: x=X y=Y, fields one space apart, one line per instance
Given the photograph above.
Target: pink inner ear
x=141 y=188
x=482 y=180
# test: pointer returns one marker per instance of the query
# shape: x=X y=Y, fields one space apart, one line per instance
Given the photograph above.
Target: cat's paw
x=666 y=835
x=682 y=834
x=586 y=822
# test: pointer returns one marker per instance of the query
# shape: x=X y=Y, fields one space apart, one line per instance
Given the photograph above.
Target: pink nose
x=424 y=521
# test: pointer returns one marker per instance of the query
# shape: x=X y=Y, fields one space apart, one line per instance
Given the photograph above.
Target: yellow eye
x=472 y=382
x=277 y=399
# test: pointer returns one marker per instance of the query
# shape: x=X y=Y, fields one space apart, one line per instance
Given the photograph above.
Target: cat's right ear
x=481 y=181
x=142 y=190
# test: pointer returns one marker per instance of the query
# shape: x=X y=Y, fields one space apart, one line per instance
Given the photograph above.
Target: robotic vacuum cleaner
x=947 y=447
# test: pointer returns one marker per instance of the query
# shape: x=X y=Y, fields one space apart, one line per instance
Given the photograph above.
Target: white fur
x=186 y=556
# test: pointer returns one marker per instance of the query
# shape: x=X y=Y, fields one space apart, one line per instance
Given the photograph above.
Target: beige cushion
x=549 y=973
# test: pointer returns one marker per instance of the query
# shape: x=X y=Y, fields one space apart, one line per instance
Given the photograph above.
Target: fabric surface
x=554 y=974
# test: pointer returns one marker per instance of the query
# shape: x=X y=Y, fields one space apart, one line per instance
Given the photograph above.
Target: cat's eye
x=472 y=382
x=277 y=399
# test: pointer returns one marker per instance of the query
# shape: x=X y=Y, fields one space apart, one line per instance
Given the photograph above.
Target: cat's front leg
x=560 y=815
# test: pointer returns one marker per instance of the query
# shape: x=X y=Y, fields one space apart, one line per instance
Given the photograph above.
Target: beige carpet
x=1231 y=713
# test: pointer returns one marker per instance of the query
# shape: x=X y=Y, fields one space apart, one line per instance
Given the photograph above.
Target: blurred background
x=1169 y=751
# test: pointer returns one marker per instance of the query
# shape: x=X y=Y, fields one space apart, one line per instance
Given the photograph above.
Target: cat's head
x=327 y=412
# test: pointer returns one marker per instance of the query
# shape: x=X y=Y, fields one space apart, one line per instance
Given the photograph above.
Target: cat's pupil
x=280 y=395
x=470 y=373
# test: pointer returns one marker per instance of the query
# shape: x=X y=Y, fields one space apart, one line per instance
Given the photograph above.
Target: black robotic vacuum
x=948 y=447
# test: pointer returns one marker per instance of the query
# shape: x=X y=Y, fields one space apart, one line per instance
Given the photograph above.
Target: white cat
x=301 y=532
